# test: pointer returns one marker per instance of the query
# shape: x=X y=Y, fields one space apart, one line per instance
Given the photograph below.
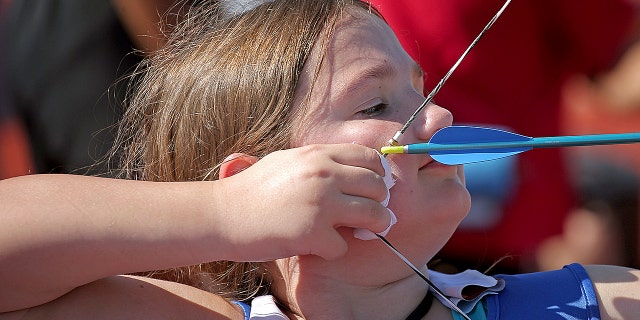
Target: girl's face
x=367 y=87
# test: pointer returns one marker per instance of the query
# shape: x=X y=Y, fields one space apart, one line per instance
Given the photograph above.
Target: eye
x=376 y=110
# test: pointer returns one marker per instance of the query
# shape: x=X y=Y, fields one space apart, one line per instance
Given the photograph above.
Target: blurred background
x=547 y=67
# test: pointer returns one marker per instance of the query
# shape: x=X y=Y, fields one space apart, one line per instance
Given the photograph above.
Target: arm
x=618 y=290
x=59 y=232
x=62 y=231
x=128 y=297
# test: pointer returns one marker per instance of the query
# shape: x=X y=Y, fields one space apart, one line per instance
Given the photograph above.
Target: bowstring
x=432 y=286
x=394 y=142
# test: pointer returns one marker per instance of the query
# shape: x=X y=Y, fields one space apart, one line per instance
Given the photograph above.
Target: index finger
x=358 y=156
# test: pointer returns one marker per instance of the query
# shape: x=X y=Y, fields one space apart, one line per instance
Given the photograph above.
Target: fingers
x=323 y=187
x=367 y=217
x=360 y=182
x=363 y=213
x=366 y=234
x=357 y=156
x=363 y=184
x=364 y=217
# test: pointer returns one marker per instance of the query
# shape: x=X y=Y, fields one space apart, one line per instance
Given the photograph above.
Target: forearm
x=61 y=231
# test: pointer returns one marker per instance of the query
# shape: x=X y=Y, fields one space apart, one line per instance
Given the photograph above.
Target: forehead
x=362 y=41
x=362 y=29
x=361 y=45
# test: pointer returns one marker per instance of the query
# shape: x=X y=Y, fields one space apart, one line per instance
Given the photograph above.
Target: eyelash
x=375 y=110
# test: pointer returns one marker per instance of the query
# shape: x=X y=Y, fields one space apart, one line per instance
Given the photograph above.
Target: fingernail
x=364 y=234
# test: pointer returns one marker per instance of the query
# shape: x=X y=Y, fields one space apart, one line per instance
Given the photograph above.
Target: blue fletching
x=471 y=141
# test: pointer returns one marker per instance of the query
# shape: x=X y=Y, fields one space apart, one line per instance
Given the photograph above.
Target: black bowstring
x=432 y=286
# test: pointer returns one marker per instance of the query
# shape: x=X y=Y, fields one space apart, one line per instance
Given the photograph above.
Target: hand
x=291 y=201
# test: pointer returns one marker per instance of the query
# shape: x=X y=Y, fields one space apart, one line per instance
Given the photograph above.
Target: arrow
x=466 y=144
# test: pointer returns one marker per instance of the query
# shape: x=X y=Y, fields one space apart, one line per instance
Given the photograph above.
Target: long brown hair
x=224 y=83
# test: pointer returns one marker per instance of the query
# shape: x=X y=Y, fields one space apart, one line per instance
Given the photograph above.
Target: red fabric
x=15 y=156
x=512 y=78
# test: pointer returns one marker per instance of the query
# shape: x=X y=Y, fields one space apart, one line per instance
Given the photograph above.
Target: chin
x=464 y=202
x=444 y=210
x=451 y=198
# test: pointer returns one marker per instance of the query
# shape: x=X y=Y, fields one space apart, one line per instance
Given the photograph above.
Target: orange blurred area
x=609 y=104
x=605 y=230
x=15 y=154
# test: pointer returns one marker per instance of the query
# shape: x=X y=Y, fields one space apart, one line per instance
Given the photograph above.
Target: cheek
x=461 y=175
x=326 y=137
x=436 y=214
x=361 y=133
x=368 y=133
x=310 y=135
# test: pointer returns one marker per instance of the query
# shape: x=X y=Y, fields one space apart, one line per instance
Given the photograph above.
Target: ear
x=235 y=163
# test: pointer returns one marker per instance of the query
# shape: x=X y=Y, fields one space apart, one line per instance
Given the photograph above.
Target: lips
x=428 y=163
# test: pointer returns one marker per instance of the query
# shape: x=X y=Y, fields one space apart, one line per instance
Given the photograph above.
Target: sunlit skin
x=288 y=203
x=366 y=89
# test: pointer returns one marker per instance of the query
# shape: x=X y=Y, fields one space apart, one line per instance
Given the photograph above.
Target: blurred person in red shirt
x=511 y=79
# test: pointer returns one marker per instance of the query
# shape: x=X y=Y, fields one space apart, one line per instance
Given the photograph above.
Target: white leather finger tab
x=389 y=182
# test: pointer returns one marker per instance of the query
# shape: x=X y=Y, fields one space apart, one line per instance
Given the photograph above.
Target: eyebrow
x=377 y=72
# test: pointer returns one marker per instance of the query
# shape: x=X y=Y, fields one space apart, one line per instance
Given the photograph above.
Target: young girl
x=281 y=74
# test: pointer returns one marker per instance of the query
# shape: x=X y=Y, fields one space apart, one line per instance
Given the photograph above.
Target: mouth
x=432 y=164
x=429 y=163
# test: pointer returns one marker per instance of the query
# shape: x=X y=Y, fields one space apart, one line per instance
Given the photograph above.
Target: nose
x=432 y=119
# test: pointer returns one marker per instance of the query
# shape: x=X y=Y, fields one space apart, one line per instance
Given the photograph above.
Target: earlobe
x=235 y=163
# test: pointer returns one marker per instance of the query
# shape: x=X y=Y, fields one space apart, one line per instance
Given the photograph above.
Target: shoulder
x=618 y=290
x=546 y=295
x=589 y=292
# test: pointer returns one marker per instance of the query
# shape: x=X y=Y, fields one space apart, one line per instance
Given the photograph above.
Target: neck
x=325 y=296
